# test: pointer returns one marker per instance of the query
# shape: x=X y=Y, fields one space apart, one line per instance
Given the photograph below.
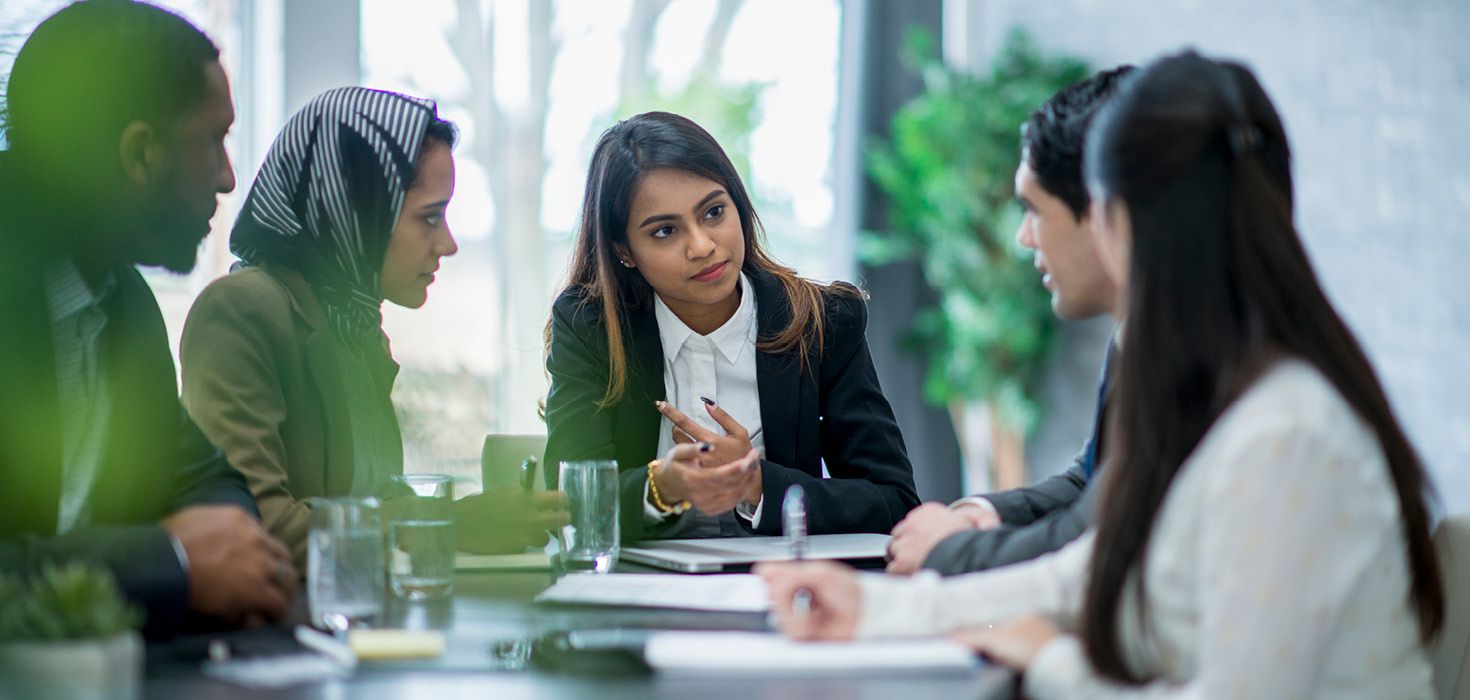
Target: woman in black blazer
x=746 y=377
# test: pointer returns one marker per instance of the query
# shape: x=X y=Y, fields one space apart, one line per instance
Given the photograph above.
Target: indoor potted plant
x=67 y=632
x=947 y=171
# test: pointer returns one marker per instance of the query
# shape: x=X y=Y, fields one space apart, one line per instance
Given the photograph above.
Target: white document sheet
x=723 y=593
x=742 y=653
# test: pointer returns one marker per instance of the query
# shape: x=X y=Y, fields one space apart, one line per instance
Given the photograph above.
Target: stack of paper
x=746 y=653
x=530 y=561
x=723 y=593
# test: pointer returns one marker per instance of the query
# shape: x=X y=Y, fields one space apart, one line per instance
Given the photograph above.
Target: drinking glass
x=421 y=535
x=590 y=540
x=344 y=562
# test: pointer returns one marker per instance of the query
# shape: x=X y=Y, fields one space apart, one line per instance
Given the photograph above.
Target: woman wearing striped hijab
x=285 y=363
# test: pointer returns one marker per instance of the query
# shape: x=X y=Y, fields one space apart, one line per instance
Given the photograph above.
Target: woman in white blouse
x=1263 y=530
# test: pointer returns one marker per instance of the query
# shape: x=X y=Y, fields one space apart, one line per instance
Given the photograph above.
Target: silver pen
x=793 y=521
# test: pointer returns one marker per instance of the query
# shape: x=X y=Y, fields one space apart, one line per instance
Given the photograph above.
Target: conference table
x=490 y=624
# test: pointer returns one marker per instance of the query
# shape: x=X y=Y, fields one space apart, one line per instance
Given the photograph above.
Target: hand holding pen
x=684 y=475
x=834 y=604
x=793 y=523
x=809 y=600
x=726 y=448
x=735 y=444
x=507 y=519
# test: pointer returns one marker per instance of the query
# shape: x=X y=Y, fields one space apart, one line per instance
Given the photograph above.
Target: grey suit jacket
x=1035 y=519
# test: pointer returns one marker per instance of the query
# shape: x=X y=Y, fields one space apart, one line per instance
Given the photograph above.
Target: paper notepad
x=530 y=561
x=723 y=593
x=700 y=653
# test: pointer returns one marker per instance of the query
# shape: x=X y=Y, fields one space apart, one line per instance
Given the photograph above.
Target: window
x=532 y=85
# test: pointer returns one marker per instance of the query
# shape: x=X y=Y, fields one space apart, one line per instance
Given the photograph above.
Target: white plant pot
x=89 y=669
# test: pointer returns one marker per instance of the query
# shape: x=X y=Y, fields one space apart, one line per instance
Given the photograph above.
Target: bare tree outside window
x=532 y=83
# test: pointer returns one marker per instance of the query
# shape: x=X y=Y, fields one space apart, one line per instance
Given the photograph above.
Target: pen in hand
x=528 y=484
x=528 y=473
x=793 y=521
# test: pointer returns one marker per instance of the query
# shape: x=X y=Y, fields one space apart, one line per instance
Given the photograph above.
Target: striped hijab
x=328 y=196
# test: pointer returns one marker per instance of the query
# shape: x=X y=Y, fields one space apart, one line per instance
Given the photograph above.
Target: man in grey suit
x=986 y=531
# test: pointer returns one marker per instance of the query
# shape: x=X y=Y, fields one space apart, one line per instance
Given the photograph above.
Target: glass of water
x=590 y=540
x=421 y=535
x=344 y=562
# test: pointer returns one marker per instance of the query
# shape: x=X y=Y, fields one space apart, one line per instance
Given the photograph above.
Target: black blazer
x=834 y=412
x=154 y=460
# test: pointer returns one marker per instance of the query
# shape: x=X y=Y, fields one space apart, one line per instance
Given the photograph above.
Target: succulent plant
x=64 y=602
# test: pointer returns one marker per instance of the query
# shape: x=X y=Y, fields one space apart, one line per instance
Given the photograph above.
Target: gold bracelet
x=658 y=502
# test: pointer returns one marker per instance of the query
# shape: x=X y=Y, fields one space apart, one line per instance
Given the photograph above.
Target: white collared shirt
x=720 y=367
x=77 y=321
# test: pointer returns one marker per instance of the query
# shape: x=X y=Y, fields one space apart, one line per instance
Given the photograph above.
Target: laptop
x=740 y=553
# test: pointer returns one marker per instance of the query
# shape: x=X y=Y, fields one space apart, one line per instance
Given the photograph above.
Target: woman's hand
x=506 y=520
x=1014 y=643
x=731 y=446
x=834 y=604
x=682 y=475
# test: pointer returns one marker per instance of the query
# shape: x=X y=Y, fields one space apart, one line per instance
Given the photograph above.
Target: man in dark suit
x=116 y=114
x=983 y=532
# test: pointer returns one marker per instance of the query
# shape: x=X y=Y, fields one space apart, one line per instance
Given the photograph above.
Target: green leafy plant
x=64 y=602
x=730 y=112
x=948 y=172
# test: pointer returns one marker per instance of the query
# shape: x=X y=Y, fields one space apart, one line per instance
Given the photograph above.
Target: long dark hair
x=664 y=141
x=1219 y=287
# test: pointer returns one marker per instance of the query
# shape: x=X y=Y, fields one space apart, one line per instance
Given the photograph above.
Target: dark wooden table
x=490 y=613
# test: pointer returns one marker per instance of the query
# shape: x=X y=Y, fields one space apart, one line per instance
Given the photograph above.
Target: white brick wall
x=1376 y=99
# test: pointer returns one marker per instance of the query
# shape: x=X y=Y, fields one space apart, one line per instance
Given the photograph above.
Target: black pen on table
x=793 y=521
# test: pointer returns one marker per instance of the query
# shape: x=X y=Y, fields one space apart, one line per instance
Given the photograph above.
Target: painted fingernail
x=659 y=405
x=705 y=447
x=706 y=401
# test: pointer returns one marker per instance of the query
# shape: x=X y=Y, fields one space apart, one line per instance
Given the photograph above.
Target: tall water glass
x=421 y=535
x=344 y=562
x=590 y=540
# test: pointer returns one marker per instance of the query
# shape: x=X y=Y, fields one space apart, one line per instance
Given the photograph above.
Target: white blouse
x=1276 y=569
x=719 y=366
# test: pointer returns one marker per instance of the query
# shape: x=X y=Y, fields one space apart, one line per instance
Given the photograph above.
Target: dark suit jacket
x=834 y=412
x=262 y=380
x=154 y=460
x=1035 y=519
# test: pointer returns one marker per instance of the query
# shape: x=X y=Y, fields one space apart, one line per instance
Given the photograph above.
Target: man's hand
x=508 y=520
x=982 y=515
x=917 y=534
x=237 y=571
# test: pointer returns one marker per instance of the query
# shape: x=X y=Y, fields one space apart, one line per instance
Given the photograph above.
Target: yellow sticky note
x=383 y=645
